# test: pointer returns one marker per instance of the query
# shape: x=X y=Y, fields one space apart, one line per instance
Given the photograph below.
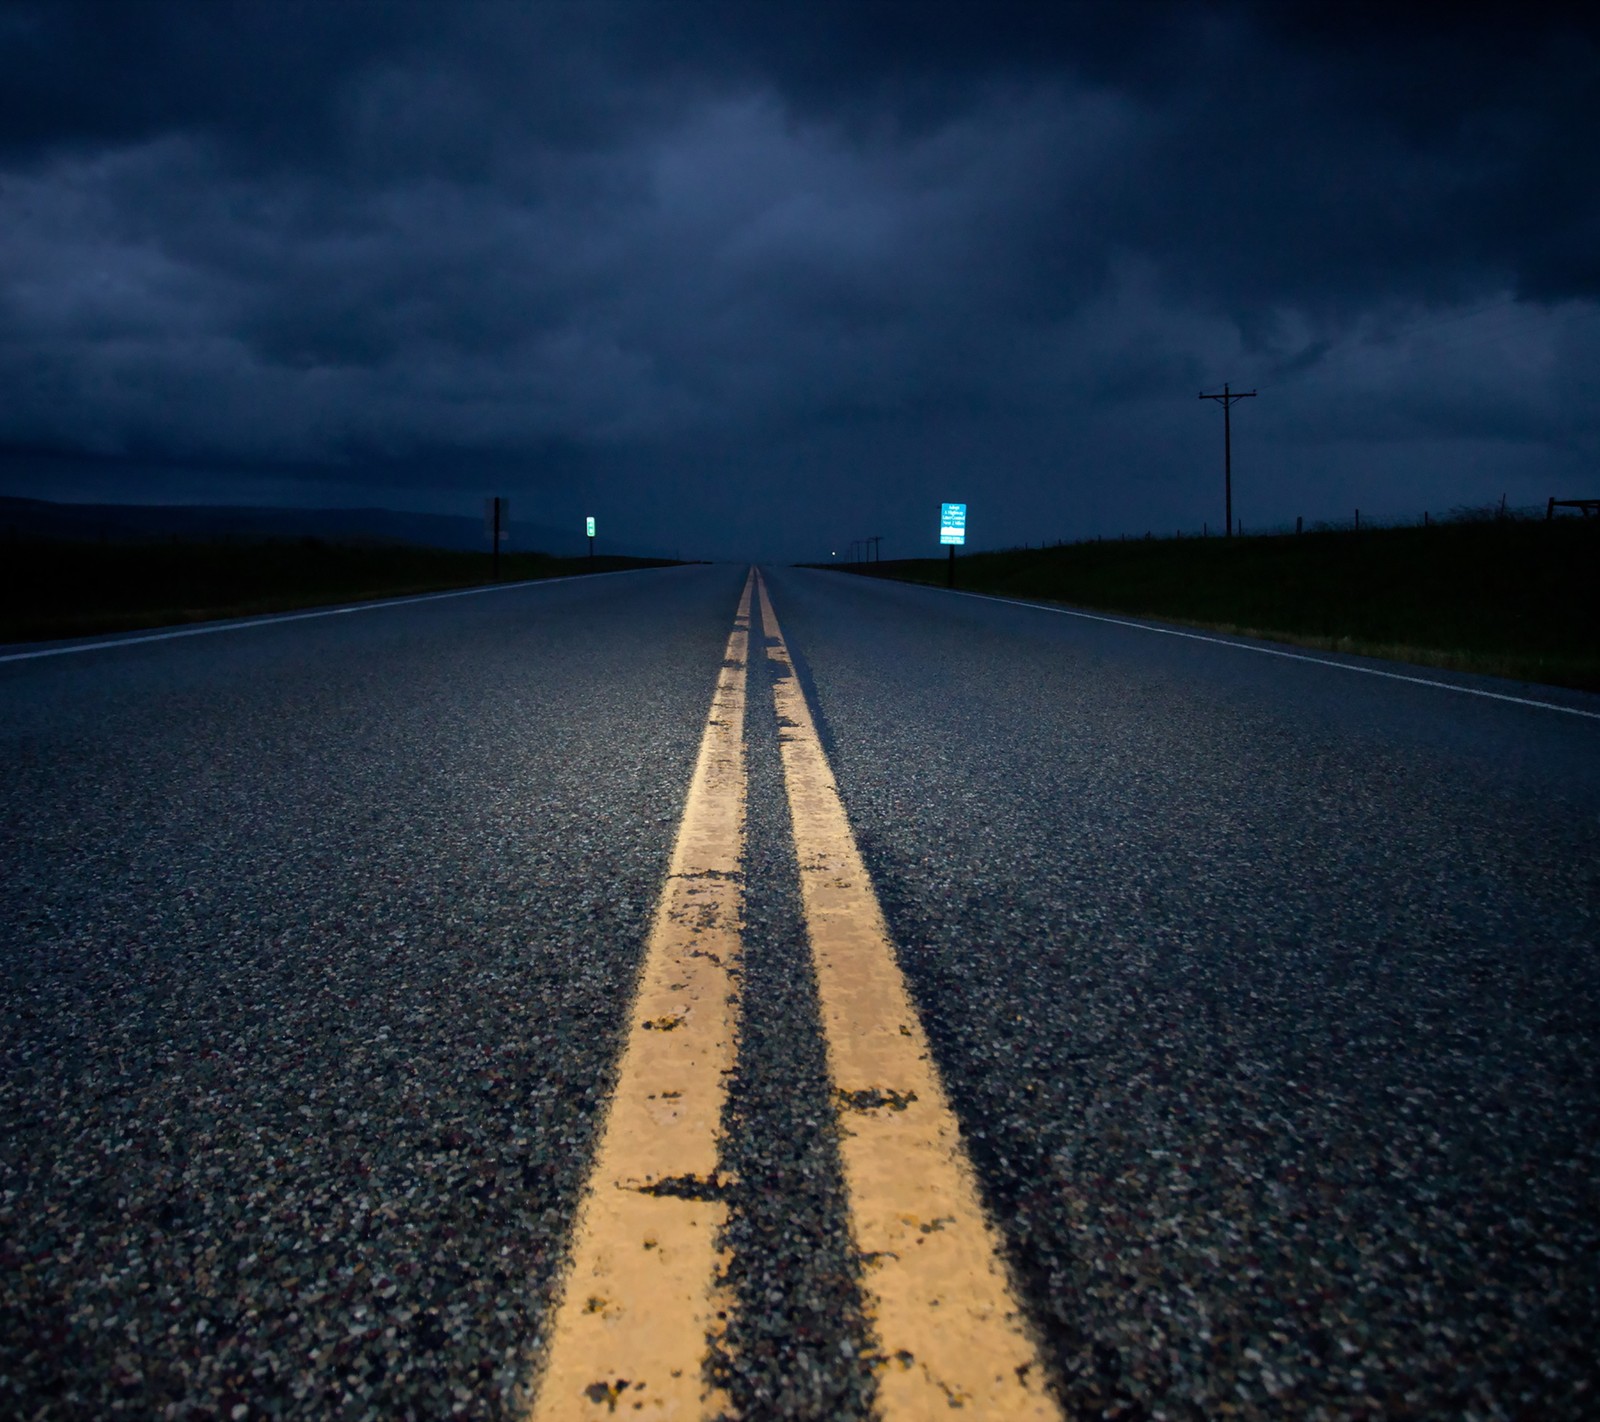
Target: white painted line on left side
x=272 y=618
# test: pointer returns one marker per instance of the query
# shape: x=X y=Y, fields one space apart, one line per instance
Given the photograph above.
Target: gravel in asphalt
x=1268 y=998
x=1271 y=1014
x=318 y=946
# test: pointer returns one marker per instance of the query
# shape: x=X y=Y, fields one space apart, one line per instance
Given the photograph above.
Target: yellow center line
x=948 y=1323
x=640 y=1301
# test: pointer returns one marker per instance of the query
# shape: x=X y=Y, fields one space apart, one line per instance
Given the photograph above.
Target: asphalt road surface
x=1266 y=994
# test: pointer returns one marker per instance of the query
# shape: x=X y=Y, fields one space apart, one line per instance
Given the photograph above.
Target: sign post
x=953 y=531
x=497 y=524
x=589 y=526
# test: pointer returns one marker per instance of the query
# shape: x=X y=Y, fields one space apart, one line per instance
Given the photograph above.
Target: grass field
x=51 y=589
x=1507 y=597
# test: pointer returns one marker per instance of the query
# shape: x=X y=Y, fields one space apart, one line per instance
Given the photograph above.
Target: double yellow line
x=641 y=1307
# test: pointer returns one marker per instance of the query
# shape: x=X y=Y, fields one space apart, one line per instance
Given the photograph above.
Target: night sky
x=752 y=279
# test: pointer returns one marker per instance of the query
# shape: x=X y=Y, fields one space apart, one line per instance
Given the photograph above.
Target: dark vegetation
x=1506 y=596
x=53 y=588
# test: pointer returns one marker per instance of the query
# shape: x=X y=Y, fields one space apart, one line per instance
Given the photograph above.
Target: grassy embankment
x=1513 y=598
x=51 y=589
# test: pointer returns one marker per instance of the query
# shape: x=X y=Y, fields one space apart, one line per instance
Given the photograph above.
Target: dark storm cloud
x=1278 y=146
x=868 y=246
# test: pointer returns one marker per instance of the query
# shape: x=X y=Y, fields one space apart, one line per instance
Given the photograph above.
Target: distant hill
x=125 y=523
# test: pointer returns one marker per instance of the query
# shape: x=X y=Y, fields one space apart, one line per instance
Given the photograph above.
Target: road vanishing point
x=732 y=993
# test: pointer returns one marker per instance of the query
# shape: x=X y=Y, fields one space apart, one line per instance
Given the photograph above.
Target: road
x=1261 y=995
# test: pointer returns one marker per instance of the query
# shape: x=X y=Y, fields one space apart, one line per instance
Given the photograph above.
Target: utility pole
x=496 y=514
x=1227 y=398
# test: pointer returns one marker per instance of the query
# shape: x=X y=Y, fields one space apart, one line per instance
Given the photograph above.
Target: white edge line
x=238 y=625
x=1275 y=652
